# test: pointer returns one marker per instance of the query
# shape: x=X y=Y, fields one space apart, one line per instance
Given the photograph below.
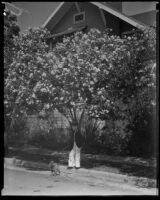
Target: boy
x=76 y=144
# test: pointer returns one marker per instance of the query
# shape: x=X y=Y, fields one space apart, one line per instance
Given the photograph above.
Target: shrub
x=91 y=135
x=115 y=137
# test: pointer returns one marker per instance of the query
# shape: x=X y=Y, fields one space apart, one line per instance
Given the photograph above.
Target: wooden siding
x=92 y=15
x=113 y=23
x=125 y=27
x=66 y=21
x=93 y=19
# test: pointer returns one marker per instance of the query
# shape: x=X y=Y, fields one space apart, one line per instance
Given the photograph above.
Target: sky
x=36 y=13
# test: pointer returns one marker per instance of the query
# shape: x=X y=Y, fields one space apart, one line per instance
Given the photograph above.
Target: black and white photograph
x=80 y=98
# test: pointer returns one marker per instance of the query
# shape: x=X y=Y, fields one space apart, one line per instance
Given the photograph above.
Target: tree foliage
x=24 y=72
x=11 y=29
x=98 y=74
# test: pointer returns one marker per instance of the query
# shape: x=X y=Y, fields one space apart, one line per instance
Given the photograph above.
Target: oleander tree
x=96 y=74
x=41 y=81
x=109 y=78
x=11 y=29
x=28 y=51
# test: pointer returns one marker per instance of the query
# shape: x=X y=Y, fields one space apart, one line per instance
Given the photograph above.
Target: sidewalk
x=34 y=158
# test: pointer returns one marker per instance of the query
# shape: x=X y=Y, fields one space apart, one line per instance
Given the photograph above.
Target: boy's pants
x=74 y=157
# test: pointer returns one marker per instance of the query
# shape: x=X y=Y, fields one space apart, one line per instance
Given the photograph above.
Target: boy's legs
x=71 y=161
x=77 y=157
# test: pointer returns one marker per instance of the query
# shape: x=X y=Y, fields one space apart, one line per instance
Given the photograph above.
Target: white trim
x=77 y=7
x=103 y=17
x=52 y=15
x=67 y=32
x=129 y=32
x=119 y=15
x=80 y=21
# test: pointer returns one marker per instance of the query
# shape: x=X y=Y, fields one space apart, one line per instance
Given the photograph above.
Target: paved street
x=19 y=181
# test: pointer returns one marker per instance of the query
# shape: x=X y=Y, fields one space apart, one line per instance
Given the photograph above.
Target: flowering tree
x=11 y=29
x=98 y=74
x=29 y=48
x=40 y=80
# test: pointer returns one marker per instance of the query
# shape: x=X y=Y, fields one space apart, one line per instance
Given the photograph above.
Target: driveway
x=19 y=181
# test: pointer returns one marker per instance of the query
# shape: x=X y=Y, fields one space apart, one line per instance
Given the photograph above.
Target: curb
x=90 y=176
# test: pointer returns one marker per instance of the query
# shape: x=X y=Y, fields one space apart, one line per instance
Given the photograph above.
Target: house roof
x=57 y=14
x=63 y=7
x=53 y=14
x=120 y=15
x=148 y=18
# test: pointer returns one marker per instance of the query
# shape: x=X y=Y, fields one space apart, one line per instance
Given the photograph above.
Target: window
x=79 y=17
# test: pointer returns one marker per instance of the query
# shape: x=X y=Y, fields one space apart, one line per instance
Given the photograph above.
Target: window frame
x=80 y=21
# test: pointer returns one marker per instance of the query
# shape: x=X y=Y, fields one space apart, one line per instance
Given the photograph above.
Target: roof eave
x=115 y=12
x=53 y=14
x=67 y=32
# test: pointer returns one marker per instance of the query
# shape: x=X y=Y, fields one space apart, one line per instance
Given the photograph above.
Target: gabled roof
x=53 y=14
x=120 y=15
x=63 y=7
x=57 y=14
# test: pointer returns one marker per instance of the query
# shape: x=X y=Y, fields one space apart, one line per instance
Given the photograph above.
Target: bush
x=16 y=134
x=91 y=135
x=54 y=139
x=143 y=141
x=115 y=137
x=44 y=132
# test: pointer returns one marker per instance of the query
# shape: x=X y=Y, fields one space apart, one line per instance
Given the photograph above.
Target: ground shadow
x=86 y=162
x=123 y=168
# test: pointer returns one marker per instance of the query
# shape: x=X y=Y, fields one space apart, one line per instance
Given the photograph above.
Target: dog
x=54 y=168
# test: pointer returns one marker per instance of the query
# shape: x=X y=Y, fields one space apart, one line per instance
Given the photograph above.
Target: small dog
x=54 y=168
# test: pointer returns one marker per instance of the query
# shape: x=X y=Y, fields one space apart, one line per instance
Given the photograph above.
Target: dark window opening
x=80 y=17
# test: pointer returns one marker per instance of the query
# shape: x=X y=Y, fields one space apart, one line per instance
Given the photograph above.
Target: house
x=70 y=17
x=34 y=14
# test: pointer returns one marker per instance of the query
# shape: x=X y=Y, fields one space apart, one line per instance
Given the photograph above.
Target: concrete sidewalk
x=87 y=175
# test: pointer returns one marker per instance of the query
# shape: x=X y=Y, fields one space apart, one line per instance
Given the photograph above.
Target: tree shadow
x=88 y=162
x=123 y=168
